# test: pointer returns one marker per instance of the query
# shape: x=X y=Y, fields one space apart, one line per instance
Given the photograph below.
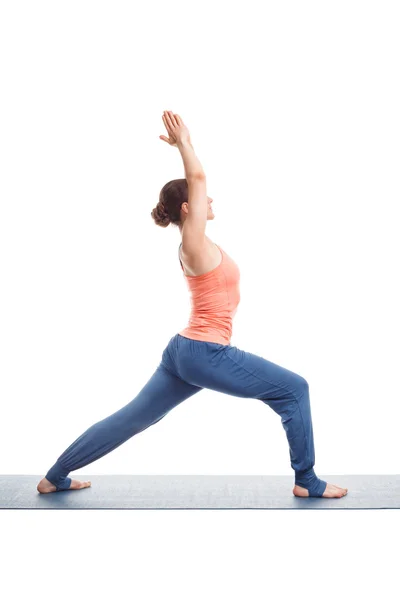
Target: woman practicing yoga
x=201 y=356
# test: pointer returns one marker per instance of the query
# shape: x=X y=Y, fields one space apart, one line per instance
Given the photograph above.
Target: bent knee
x=302 y=386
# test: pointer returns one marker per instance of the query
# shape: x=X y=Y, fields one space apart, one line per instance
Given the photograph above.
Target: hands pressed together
x=177 y=131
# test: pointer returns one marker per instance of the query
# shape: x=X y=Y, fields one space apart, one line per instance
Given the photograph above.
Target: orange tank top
x=214 y=298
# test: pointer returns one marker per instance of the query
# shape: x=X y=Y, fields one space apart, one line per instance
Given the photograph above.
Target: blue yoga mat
x=198 y=491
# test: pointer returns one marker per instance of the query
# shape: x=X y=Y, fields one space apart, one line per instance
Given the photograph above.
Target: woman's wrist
x=184 y=144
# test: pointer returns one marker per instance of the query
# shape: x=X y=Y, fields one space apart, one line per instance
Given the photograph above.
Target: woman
x=200 y=356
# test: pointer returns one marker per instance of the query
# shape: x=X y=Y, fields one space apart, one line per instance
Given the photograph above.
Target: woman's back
x=214 y=298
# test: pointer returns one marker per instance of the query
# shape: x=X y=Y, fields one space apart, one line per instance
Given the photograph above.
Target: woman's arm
x=193 y=168
x=193 y=234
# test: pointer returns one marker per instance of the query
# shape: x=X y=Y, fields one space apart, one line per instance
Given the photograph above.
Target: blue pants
x=187 y=366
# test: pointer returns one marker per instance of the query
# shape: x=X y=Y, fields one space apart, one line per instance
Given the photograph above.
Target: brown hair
x=172 y=196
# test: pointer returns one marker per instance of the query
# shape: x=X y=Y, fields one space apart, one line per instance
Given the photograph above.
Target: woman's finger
x=165 y=122
x=174 y=119
x=169 y=119
x=178 y=119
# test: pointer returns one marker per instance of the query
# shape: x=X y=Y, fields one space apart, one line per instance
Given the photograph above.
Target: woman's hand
x=176 y=129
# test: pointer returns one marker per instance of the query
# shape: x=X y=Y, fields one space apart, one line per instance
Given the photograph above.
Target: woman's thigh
x=162 y=392
x=233 y=371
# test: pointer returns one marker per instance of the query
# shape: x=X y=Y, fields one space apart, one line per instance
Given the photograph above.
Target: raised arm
x=193 y=231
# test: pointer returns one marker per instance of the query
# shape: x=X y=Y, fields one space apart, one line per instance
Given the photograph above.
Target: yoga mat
x=198 y=491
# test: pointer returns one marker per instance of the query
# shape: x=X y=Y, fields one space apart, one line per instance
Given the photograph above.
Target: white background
x=293 y=112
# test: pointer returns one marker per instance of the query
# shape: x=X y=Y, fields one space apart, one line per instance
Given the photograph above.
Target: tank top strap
x=179 y=256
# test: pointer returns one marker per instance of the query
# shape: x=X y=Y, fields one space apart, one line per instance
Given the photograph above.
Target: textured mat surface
x=198 y=492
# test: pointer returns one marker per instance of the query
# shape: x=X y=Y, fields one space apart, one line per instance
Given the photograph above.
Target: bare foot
x=332 y=491
x=45 y=486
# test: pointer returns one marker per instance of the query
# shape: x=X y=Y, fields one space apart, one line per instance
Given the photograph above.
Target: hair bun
x=160 y=216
